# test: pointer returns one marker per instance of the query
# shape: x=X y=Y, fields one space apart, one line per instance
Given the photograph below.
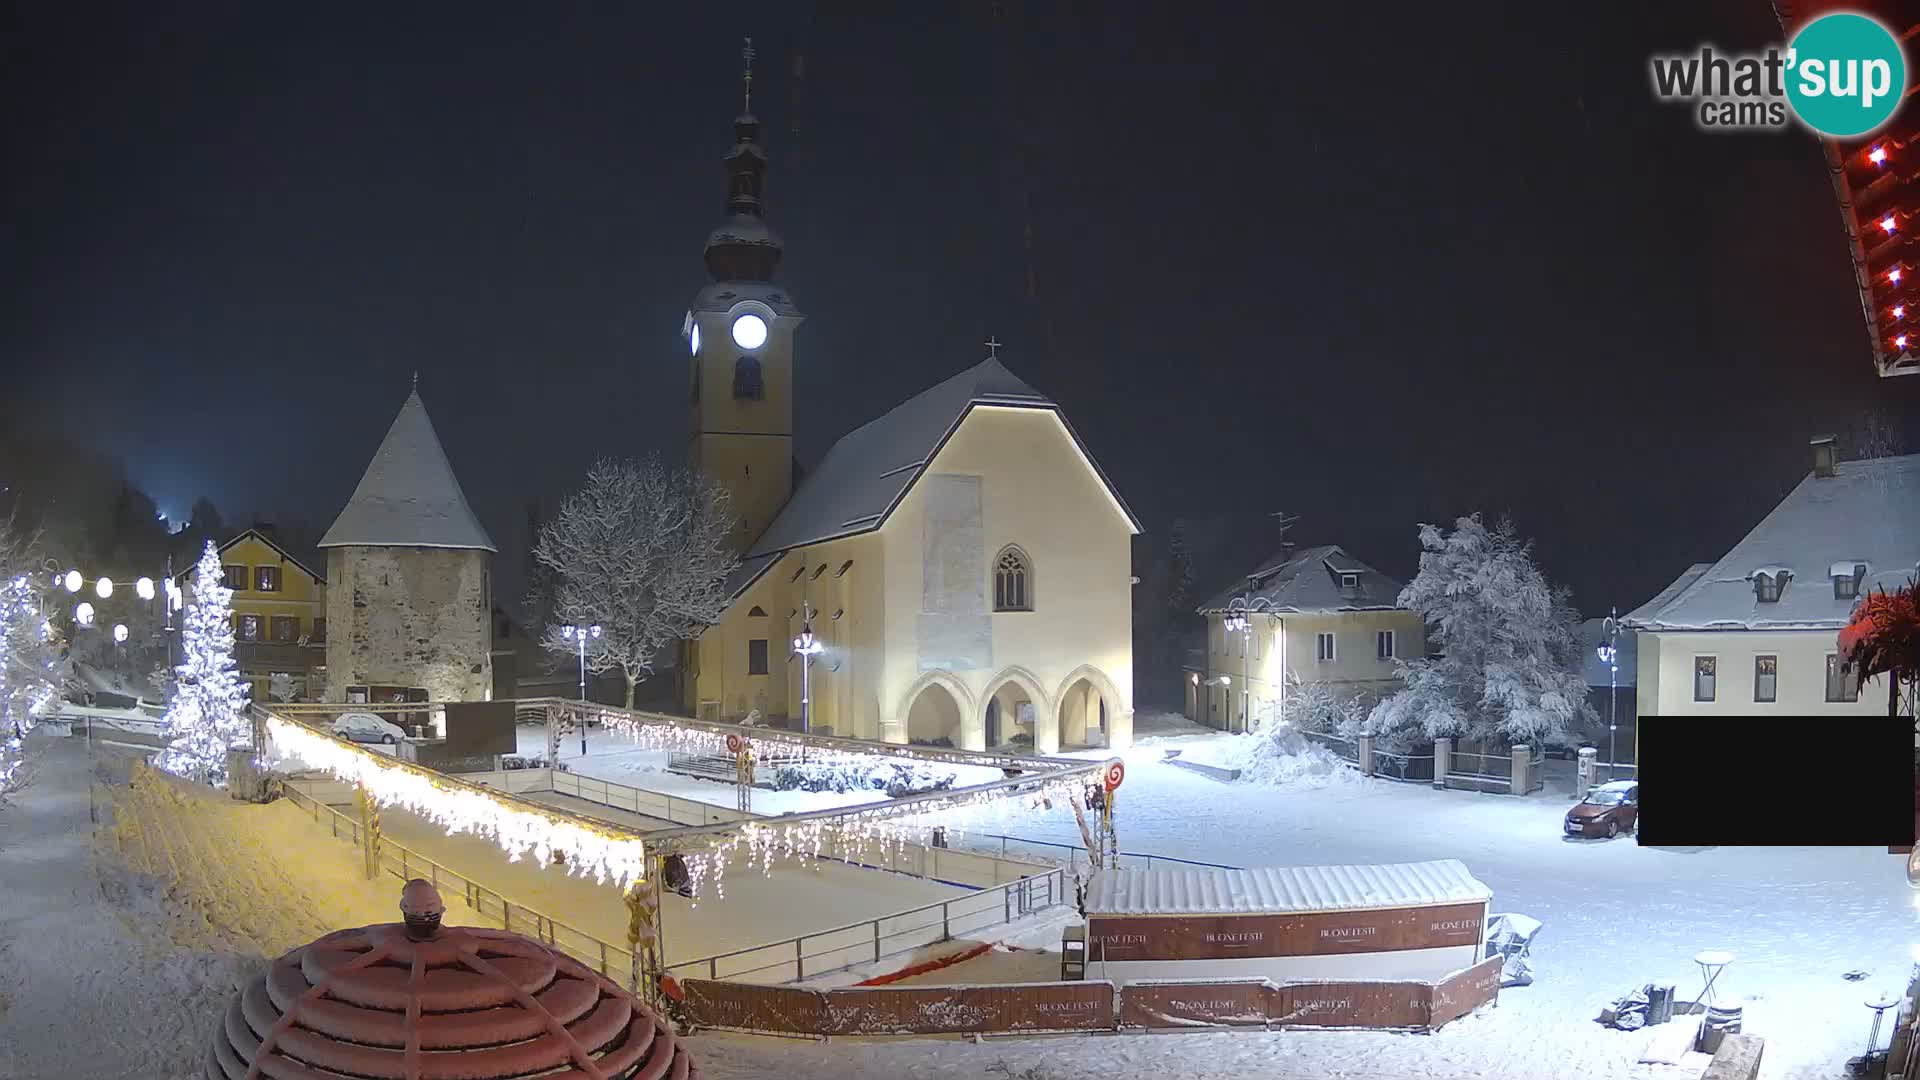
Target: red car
x=1608 y=810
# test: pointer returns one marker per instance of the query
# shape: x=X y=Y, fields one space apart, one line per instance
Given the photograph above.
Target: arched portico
x=1089 y=711
x=936 y=706
x=1001 y=708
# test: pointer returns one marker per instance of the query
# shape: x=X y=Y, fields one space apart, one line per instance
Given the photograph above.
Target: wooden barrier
x=1090 y=1006
x=1199 y=937
x=916 y=1010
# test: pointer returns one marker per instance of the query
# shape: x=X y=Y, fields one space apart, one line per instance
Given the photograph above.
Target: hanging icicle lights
x=868 y=834
x=606 y=854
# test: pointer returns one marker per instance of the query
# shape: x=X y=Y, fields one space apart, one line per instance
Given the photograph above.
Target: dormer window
x=1349 y=582
x=1769 y=584
x=1847 y=577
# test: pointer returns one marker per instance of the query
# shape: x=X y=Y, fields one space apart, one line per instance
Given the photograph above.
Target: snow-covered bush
x=894 y=778
x=32 y=667
x=1510 y=663
x=1316 y=706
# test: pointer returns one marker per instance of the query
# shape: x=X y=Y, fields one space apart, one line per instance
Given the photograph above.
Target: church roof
x=409 y=496
x=870 y=470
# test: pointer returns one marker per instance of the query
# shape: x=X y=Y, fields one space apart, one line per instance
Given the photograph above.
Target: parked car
x=366 y=727
x=1608 y=810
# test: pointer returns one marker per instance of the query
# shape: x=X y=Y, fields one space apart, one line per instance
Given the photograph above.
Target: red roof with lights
x=1877 y=180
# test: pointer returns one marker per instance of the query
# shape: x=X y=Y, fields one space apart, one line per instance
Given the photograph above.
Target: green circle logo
x=1846 y=75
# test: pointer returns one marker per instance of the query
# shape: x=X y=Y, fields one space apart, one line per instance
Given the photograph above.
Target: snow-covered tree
x=641 y=552
x=208 y=712
x=1510 y=663
x=32 y=665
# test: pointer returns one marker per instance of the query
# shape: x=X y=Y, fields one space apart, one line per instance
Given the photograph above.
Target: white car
x=366 y=727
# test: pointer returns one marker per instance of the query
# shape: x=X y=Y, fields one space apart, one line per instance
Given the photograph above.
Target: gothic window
x=757 y=612
x=746 y=379
x=1012 y=581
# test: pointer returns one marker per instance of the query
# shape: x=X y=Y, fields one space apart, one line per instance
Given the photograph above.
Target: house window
x=757 y=656
x=1841 y=683
x=1323 y=647
x=1766 y=678
x=1012 y=581
x=246 y=627
x=236 y=577
x=1846 y=584
x=1766 y=587
x=746 y=379
x=1704 y=673
x=1383 y=644
x=285 y=628
x=266 y=579
x=319 y=631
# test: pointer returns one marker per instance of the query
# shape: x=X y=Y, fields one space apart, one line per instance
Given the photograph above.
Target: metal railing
x=1481 y=766
x=613 y=961
x=1388 y=765
x=1076 y=854
x=872 y=940
x=670 y=808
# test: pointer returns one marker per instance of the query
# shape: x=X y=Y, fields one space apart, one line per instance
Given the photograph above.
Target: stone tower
x=740 y=332
x=409 y=574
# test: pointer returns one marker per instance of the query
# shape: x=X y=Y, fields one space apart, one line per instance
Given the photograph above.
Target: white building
x=1756 y=631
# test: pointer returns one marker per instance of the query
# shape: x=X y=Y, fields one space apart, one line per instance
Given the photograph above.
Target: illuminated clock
x=749 y=331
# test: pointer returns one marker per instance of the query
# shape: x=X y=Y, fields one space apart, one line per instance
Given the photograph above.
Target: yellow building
x=961 y=561
x=279 y=615
x=1313 y=616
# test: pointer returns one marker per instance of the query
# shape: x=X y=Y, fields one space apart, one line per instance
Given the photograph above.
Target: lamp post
x=1239 y=620
x=580 y=635
x=1610 y=655
x=806 y=647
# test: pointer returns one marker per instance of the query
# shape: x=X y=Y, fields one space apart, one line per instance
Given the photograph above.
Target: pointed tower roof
x=409 y=496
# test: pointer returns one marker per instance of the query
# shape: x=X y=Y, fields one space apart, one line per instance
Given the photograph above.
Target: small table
x=1711 y=962
x=1879 y=1005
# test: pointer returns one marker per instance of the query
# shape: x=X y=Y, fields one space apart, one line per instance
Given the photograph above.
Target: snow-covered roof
x=743 y=229
x=870 y=469
x=1868 y=511
x=306 y=563
x=1196 y=890
x=1309 y=581
x=409 y=496
x=722 y=295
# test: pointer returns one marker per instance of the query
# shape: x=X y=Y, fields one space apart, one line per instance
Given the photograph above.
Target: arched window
x=1012 y=580
x=746 y=379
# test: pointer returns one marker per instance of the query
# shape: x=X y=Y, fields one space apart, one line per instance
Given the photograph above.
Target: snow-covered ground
x=1616 y=916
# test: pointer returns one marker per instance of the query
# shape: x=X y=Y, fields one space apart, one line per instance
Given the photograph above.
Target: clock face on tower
x=693 y=339
x=749 y=331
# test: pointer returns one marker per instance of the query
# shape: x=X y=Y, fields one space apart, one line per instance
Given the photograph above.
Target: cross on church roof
x=747 y=54
x=993 y=347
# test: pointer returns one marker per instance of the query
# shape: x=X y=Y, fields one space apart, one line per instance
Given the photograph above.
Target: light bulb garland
x=605 y=853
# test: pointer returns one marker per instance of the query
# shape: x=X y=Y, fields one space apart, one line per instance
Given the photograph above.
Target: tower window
x=747 y=384
x=1012 y=581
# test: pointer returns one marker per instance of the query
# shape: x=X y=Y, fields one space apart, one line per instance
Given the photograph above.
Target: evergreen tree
x=208 y=712
x=1180 y=601
x=1510 y=653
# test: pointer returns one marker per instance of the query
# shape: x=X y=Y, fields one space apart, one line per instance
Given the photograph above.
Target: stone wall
x=406 y=616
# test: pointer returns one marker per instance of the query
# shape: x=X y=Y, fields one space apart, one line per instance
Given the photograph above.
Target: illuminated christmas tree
x=208 y=713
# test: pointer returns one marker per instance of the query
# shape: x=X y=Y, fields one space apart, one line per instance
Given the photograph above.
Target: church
x=958 y=570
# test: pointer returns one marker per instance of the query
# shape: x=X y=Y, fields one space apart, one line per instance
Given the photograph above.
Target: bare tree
x=32 y=665
x=640 y=550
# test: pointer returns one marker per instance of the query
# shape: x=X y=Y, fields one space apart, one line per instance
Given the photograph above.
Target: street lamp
x=806 y=648
x=1610 y=655
x=581 y=634
x=1238 y=621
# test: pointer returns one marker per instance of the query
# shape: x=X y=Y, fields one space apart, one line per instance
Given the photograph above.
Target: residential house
x=1317 y=615
x=279 y=615
x=1755 y=632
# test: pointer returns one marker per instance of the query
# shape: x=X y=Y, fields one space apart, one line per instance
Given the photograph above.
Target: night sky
x=1370 y=266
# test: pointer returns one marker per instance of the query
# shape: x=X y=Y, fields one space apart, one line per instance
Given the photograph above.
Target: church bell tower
x=740 y=334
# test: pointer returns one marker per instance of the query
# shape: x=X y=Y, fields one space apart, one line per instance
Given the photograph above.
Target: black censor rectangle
x=1776 y=781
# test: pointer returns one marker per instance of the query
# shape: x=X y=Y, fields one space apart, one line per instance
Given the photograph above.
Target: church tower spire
x=740 y=332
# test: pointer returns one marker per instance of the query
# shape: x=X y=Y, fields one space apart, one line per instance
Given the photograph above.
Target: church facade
x=961 y=564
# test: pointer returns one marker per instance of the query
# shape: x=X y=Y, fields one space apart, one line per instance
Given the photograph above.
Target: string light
x=1878 y=155
x=606 y=854
x=1899 y=311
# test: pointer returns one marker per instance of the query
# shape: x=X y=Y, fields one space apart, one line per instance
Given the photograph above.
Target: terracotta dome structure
x=418 y=1001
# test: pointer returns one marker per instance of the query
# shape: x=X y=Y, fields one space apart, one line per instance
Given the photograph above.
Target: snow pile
x=1280 y=756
